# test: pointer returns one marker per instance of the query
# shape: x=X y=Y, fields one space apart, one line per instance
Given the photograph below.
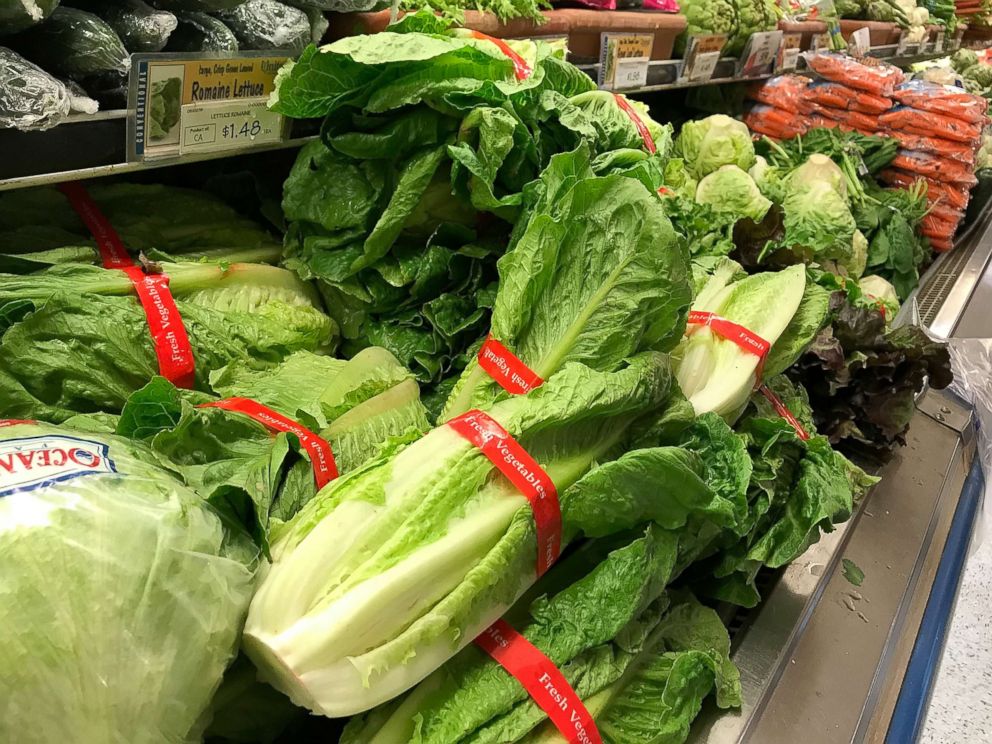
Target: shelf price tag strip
x=507 y=369
x=524 y=473
x=751 y=343
x=321 y=457
x=543 y=681
x=788 y=53
x=172 y=347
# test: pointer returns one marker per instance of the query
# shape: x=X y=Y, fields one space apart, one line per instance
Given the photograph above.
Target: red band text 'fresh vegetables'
x=543 y=681
x=521 y=69
x=321 y=458
x=507 y=369
x=169 y=337
x=625 y=106
x=523 y=472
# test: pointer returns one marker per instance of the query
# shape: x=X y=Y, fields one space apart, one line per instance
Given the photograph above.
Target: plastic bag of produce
x=79 y=100
x=123 y=594
x=841 y=97
x=74 y=43
x=930 y=124
x=268 y=24
x=197 y=6
x=935 y=146
x=865 y=74
x=787 y=92
x=934 y=167
x=30 y=98
x=943 y=99
x=141 y=27
x=17 y=15
x=199 y=32
x=853 y=119
x=772 y=121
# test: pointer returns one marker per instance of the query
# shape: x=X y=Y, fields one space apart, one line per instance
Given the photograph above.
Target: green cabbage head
x=731 y=190
x=717 y=140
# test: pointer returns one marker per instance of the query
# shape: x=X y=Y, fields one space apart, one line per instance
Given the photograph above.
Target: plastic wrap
x=122 y=591
x=80 y=101
x=868 y=74
x=17 y=15
x=198 y=32
x=930 y=124
x=75 y=44
x=30 y=98
x=786 y=92
x=141 y=27
x=943 y=99
x=268 y=24
x=341 y=6
x=935 y=146
x=840 y=96
x=196 y=6
x=934 y=167
x=971 y=361
x=318 y=24
x=773 y=122
x=855 y=120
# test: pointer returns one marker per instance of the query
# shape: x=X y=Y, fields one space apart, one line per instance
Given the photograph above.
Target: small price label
x=821 y=42
x=759 y=53
x=624 y=60
x=788 y=53
x=701 y=57
x=234 y=124
x=907 y=48
x=860 y=42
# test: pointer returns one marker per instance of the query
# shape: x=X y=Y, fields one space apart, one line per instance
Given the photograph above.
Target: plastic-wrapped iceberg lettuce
x=121 y=595
x=30 y=98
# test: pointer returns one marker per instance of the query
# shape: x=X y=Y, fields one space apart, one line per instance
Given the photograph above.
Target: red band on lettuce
x=523 y=472
x=172 y=348
x=543 y=681
x=321 y=457
x=169 y=337
x=783 y=411
x=521 y=69
x=642 y=129
x=15 y=422
x=507 y=369
x=113 y=254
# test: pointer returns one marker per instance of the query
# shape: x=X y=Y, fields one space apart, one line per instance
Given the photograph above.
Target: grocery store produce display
x=529 y=379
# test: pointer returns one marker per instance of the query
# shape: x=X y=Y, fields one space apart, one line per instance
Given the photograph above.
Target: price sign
x=624 y=60
x=701 y=56
x=176 y=102
x=907 y=48
x=821 y=42
x=787 y=58
x=860 y=42
x=759 y=53
x=223 y=125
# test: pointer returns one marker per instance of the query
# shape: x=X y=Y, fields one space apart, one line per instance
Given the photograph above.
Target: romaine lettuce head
x=729 y=189
x=393 y=568
x=717 y=140
x=122 y=593
x=615 y=126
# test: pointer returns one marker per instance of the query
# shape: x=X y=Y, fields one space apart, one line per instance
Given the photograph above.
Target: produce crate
x=583 y=27
x=808 y=29
x=881 y=33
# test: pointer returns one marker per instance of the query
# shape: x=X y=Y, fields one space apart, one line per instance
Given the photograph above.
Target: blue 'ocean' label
x=28 y=463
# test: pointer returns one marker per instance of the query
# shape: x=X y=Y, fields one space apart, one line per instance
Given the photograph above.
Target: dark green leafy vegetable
x=141 y=27
x=199 y=32
x=30 y=98
x=75 y=44
x=17 y=15
x=268 y=24
x=853 y=573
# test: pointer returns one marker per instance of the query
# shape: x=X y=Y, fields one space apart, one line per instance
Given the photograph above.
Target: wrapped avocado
x=199 y=32
x=75 y=44
x=30 y=98
x=141 y=27
x=17 y=15
x=268 y=24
